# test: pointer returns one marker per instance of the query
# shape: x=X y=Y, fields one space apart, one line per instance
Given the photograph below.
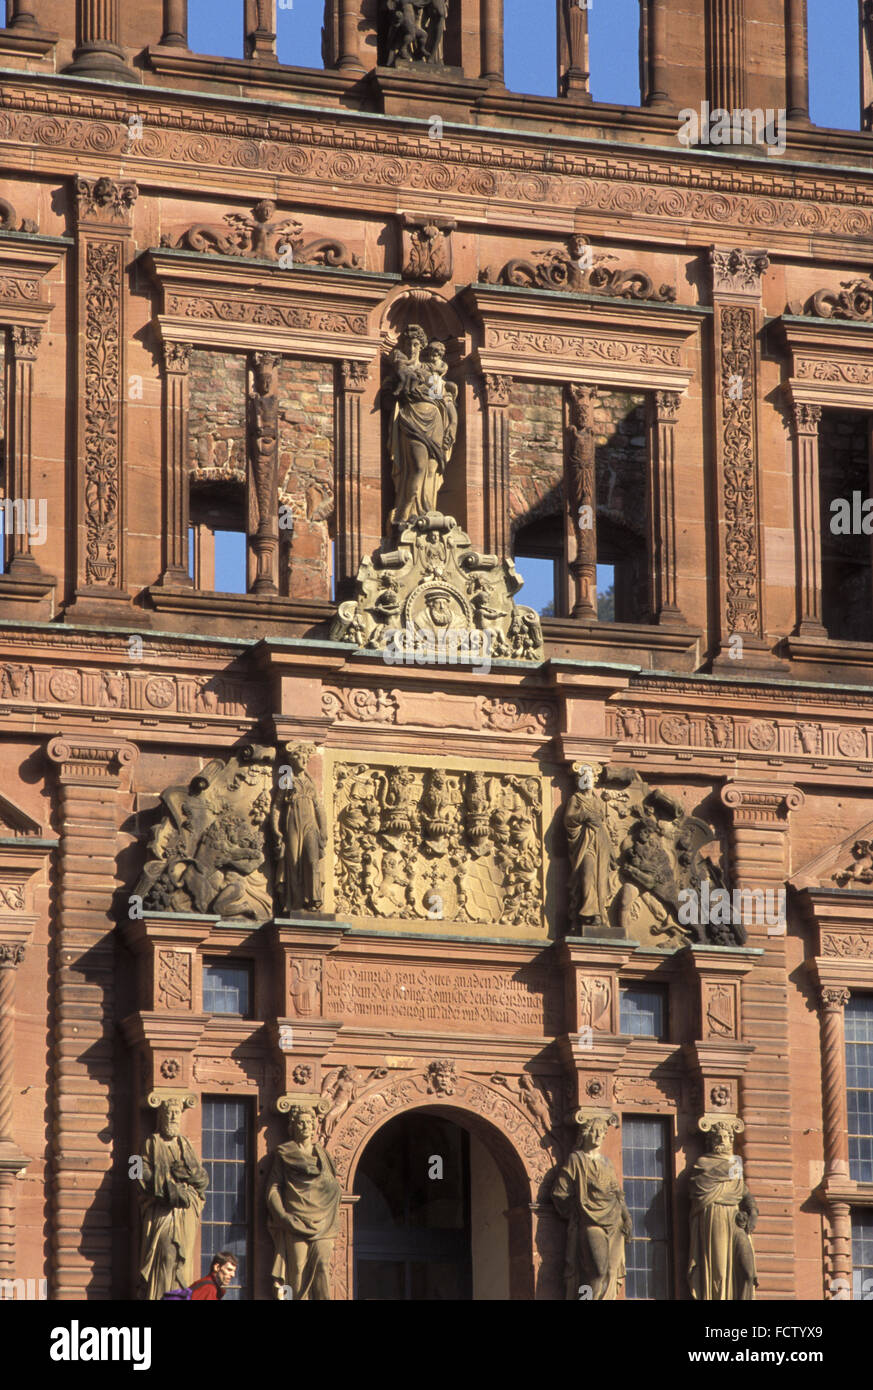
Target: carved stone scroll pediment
x=262 y=236
x=852 y=301
x=436 y=599
x=579 y=270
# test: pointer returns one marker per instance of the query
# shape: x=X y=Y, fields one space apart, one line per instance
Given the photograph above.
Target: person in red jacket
x=213 y=1285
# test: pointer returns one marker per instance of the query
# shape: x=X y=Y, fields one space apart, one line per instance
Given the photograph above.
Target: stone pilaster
x=25 y=343
x=805 y=420
x=352 y=381
x=92 y=782
x=498 y=391
x=177 y=358
x=736 y=297
x=758 y=859
x=664 y=408
x=105 y=210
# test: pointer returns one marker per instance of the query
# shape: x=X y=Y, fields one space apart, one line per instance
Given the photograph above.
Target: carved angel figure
x=417 y=30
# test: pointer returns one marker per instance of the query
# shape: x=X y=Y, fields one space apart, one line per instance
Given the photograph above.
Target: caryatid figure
x=588 y=1196
x=172 y=1193
x=300 y=835
x=303 y=1202
x=724 y=1213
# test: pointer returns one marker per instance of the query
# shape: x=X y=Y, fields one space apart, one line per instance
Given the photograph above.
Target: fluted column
x=352 y=381
x=798 y=61
x=175 y=33
x=726 y=54
x=805 y=420
x=177 y=357
x=498 y=390
x=581 y=494
x=665 y=409
x=24 y=345
x=98 y=51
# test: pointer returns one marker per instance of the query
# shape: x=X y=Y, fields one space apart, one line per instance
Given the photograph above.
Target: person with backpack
x=212 y=1286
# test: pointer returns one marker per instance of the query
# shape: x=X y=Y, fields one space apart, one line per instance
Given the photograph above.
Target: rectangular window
x=862 y=1254
x=227 y=988
x=643 y=1012
x=859 y=1084
x=646 y=1181
x=227 y=1158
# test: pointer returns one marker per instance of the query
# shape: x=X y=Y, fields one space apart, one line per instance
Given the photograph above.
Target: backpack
x=176 y=1296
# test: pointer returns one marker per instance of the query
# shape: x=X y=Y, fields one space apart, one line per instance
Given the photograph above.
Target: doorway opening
x=431 y=1223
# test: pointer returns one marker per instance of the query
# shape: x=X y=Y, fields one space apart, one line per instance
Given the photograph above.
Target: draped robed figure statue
x=424 y=423
x=721 y=1265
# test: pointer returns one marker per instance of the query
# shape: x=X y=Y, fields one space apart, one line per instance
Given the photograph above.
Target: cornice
x=351 y=151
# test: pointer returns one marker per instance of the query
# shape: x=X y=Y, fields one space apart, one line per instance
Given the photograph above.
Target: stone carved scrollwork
x=207 y=854
x=635 y=862
x=580 y=270
x=416 y=31
x=858 y=874
x=102 y=407
x=9 y=221
x=440 y=844
x=853 y=301
x=259 y=237
x=429 y=600
x=740 y=494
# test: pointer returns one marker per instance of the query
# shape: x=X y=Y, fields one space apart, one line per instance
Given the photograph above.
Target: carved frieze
x=434 y=598
x=360 y=706
x=438 y=844
x=228 y=308
x=221 y=696
x=585 y=346
x=847 y=945
x=785 y=737
x=104 y=267
x=578 y=269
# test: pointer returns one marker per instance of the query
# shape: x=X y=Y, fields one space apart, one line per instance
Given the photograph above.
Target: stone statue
x=423 y=425
x=590 y=851
x=171 y=1191
x=721 y=1265
x=589 y=1199
x=417 y=30
x=303 y=1202
x=300 y=835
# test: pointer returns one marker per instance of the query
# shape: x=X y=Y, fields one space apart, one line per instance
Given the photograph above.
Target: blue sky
x=216 y=26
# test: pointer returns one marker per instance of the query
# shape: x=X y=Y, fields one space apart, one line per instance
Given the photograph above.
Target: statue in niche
x=300 y=835
x=721 y=1265
x=588 y=1197
x=591 y=855
x=303 y=1202
x=172 y=1194
x=417 y=31
x=423 y=425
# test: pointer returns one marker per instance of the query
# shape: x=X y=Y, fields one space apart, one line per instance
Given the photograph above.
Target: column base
x=103 y=60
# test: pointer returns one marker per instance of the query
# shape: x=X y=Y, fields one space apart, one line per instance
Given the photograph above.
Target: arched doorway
x=431 y=1223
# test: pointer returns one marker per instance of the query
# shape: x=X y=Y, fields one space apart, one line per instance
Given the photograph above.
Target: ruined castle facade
x=304 y=802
